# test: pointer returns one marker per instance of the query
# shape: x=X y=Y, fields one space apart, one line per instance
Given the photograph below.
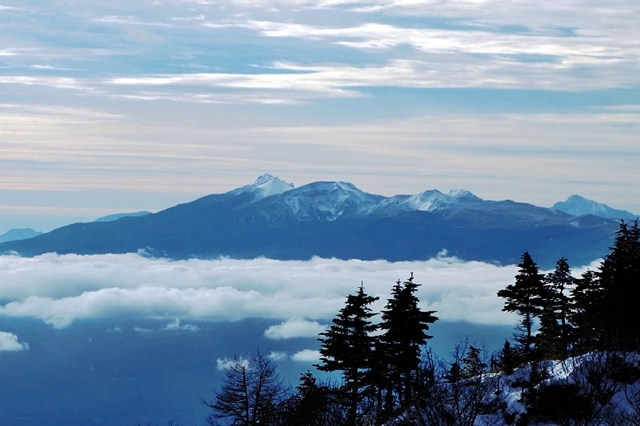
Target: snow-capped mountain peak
x=429 y=201
x=265 y=186
x=577 y=205
x=433 y=199
x=329 y=200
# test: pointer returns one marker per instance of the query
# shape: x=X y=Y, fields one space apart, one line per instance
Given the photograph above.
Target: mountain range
x=270 y=218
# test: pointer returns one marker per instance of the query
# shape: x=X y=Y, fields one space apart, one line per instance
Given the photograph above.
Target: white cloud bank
x=306 y=355
x=9 y=343
x=303 y=294
x=293 y=328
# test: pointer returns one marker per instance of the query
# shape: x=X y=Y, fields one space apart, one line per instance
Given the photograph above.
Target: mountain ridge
x=271 y=218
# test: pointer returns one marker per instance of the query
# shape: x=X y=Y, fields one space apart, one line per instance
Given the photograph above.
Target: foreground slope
x=270 y=218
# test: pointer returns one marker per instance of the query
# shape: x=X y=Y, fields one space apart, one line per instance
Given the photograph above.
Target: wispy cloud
x=177 y=326
x=55 y=82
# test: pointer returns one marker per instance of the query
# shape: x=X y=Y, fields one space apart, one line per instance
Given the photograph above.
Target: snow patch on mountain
x=265 y=186
x=428 y=201
x=433 y=200
x=577 y=205
x=329 y=200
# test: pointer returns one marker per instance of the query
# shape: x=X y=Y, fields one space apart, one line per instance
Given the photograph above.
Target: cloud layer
x=304 y=296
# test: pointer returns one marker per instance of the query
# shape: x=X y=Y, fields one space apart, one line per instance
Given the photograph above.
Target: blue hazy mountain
x=273 y=219
x=117 y=216
x=577 y=205
x=17 y=234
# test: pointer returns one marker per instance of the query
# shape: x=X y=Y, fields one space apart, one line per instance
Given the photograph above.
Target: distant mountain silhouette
x=270 y=218
x=117 y=216
x=577 y=205
x=16 y=234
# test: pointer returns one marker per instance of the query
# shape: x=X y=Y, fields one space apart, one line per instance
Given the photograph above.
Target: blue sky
x=125 y=106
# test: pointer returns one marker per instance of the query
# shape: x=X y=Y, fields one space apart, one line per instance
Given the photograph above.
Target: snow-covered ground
x=596 y=389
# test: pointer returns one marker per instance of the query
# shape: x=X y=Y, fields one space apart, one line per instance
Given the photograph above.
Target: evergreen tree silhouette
x=347 y=346
x=555 y=329
x=619 y=276
x=525 y=297
x=405 y=328
x=587 y=316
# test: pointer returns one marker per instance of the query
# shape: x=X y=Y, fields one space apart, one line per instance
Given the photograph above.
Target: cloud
x=294 y=328
x=55 y=82
x=176 y=326
x=306 y=355
x=302 y=295
x=278 y=356
x=9 y=343
x=223 y=364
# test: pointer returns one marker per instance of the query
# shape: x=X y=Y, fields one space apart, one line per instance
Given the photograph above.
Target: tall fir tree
x=619 y=276
x=555 y=328
x=404 y=327
x=347 y=346
x=525 y=297
x=587 y=307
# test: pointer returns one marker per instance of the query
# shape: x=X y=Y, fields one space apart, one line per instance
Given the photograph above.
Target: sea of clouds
x=303 y=295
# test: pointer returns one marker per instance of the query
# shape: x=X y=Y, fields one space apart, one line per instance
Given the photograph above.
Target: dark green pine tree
x=347 y=346
x=312 y=406
x=555 y=328
x=525 y=297
x=472 y=364
x=508 y=359
x=587 y=314
x=404 y=327
x=619 y=276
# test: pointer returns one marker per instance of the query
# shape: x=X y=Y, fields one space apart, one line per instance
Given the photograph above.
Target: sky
x=120 y=106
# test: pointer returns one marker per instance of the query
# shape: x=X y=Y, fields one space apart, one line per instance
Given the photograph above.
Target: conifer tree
x=587 y=313
x=555 y=328
x=525 y=297
x=472 y=364
x=347 y=346
x=619 y=276
x=507 y=358
x=405 y=328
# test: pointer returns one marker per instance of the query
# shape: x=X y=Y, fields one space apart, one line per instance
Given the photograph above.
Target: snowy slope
x=595 y=389
x=265 y=186
x=329 y=200
x=431 y=200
